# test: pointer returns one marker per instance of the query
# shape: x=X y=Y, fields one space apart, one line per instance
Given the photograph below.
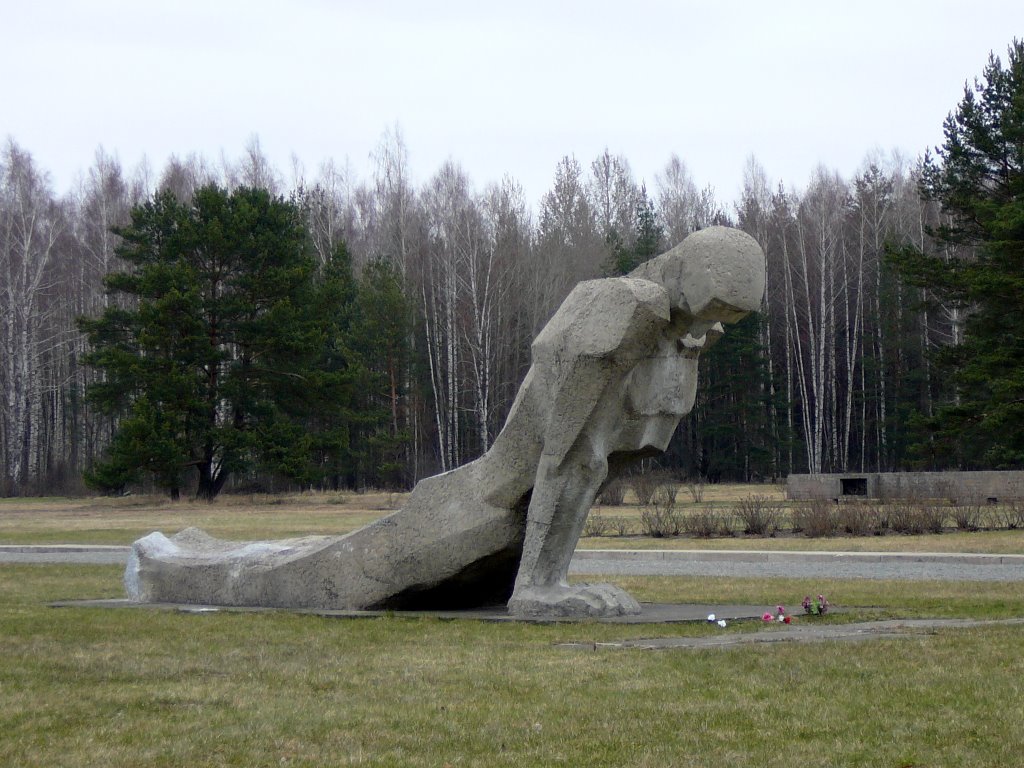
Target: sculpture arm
x=601 y=331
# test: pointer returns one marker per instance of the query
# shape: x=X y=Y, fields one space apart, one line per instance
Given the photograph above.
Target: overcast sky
x=500 y=88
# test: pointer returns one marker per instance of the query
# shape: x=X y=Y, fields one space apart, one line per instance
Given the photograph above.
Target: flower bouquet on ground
x=780 y=615
x=816 y=607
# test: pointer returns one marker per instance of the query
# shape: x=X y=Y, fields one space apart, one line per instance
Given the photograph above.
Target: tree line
x=411 y=309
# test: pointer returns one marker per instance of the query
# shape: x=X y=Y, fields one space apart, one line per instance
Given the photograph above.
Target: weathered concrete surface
x=801 y=565
x=613 y=372
x=650 y=613
x=806 y=631
x=953 y=486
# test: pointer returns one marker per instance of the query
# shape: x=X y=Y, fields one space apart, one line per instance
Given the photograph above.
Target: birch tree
x=31 y=222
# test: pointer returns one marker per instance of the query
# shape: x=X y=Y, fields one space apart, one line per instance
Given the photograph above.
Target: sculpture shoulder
x=610 y=317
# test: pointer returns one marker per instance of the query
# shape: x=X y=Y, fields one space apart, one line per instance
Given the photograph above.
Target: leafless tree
x=31 y=223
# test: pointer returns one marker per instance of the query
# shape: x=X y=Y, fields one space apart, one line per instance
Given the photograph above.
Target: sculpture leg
x=559 y=506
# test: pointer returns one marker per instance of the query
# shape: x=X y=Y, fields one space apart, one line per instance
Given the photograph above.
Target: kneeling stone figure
x=612 y=374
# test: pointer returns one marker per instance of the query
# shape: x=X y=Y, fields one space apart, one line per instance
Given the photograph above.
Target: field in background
x=106 y=520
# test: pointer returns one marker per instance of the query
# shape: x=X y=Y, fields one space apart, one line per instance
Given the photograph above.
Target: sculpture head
x=716 y=275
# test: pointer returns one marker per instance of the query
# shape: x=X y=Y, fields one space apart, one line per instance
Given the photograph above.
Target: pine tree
x=214 y=358
x=978 y=178
x=731 y=420
x=646 y=242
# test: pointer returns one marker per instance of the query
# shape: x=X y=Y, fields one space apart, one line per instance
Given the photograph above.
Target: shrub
x=613 y=494
x=934 y=517
x=621 y=526
x=704 y=524
x=905 y=516
x=644 y=484
x=695 y=487
x=861 y=518
x=758 y=515
x=659 y=517
x=1011 y=514
x=596 y=524
x=660 y=523
x=816 y=519
x=967 y=515
x=668 y=486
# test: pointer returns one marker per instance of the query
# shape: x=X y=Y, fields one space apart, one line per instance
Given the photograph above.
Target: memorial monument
x=612 y=373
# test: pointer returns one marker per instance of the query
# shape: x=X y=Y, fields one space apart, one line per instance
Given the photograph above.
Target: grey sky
x=500 y=88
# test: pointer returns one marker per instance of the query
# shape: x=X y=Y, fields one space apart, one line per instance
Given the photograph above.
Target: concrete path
x=758 y=564
x=798 y=633
x=75 y=554
x=840 y=565
x=651 y=613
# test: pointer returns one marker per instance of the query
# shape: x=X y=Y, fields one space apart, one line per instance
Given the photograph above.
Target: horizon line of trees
x=838 y=372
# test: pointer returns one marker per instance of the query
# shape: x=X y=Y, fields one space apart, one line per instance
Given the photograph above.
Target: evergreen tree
x=216 y=356
x=978 y=178
x=647 y=240
x=728 y=435
x=382 y=335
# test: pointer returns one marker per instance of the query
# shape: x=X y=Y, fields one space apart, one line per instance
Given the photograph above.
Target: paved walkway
x=77 y=554
x=797 y=633
x=758 y=564
x=939 y=566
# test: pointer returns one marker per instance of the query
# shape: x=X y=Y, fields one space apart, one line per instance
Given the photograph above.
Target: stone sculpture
x=613 y=372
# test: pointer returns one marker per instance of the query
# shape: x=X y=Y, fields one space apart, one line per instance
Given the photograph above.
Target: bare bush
x=1011 y=514
x=704 y=524
x=967 y=514
x=903 y=517
x=659 y=517
x=759 y=515
x=596 y=524
x=906 y=516
x=644 y=484
x=613 y=494
x=621 y=526
x=817 y=518
x=695 y=487
x=861 y=518
x=934 y=517
x=660 y=523
x=668 y=486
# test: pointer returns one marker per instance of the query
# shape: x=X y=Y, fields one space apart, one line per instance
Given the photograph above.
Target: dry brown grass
x=105 y=520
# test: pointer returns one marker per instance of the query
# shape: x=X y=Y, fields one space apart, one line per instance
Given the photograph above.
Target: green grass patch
x=87 y=687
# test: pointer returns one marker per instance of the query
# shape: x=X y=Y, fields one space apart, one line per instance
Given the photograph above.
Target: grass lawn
x=91 y=687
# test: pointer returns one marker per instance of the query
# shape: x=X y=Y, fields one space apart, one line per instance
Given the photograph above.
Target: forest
x=840 y=371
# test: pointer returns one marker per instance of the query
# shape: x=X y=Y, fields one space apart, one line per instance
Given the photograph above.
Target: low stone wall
x=959 y=486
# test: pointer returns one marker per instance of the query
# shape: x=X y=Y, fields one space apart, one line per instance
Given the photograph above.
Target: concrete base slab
x=651 y=613
x=797 y=633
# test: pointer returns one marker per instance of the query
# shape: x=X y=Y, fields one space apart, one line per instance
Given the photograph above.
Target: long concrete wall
x=959 y=486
